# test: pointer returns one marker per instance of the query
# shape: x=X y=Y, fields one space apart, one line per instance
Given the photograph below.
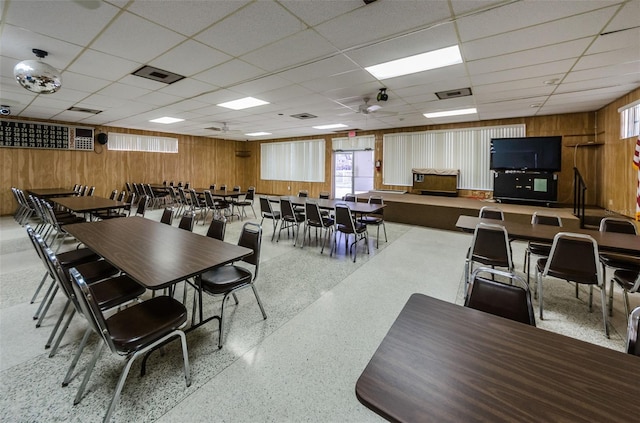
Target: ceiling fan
x=224 y=129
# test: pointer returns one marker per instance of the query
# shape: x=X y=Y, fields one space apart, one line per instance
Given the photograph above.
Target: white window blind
x=630 y=120
x=365 y=142
x=464 y=149
x=130 y=142
x=293 y=161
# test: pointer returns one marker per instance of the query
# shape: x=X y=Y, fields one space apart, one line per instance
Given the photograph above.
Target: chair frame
x=632 y=330
x=376 y=219
x=315 y=219
x=536 y=220
x=491 y=211
x=289 y=219
x=352 y=229
x=275 y=216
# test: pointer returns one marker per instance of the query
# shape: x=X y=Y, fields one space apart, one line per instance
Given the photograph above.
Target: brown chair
x=141 y=208
x=187 y=221
x=629 y=281
x=375 y=219
x=633 y=344
x=314 y=219
x=488 y=212
x=131 y=332
x=267 y=212
x=290 y=219
x=489 y=247
x=324 y=195
x=247 y=201
x=350 y=197
x=574 y=258
x=538 y=248
x=217 y=228
x=346 y=225
x=167 y=216
x=505 y=300
x=227 y=280
x=616 y=260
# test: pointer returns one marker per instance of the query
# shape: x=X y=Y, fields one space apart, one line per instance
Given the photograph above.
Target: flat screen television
x=539 y=154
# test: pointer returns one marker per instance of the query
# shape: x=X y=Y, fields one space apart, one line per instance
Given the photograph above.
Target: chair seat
x=359 y=228
x=620 y=261
x=325 y=222
x=572 y=275
x=626 y=279
x=70 y=220
x=141 y=324
x=370 y=220
x=539 y=249
x=115 y=291
x=275 y=215
x=222 y=279
x=296 y=218
x=95 y=271
x=79 y=256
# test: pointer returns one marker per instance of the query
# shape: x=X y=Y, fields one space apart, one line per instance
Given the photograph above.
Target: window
x=293 y=161
x=465 y=149
x=130 y=142
x=630 y=120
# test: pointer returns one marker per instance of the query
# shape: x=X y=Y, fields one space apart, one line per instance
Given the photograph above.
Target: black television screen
x=542 y=154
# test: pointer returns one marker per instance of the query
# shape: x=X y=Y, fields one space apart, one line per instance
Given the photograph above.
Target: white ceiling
x=308 y=56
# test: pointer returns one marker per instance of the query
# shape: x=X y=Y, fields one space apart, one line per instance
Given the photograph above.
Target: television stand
x=525 y=186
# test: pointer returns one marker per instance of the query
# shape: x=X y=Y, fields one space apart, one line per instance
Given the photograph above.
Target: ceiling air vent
x=460 y=92
x=304 y=116
x=159 y=75
x=84 y=110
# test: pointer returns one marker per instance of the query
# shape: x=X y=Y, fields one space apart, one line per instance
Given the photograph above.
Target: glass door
x=352 y=172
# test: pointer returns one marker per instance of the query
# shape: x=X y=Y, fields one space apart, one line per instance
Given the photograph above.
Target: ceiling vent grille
x=304 y=116
x=84 y=110
x=460 y=92
x=159 y=75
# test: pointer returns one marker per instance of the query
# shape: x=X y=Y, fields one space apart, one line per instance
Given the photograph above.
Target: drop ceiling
x=520 y=58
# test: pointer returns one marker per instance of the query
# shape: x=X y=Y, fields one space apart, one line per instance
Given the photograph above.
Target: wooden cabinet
x=436 y=182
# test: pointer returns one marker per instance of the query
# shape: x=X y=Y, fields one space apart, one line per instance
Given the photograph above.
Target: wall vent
x=460 y=92
x=159 y=75
x=304 y=116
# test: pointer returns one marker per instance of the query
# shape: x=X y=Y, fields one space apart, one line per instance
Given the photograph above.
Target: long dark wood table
x=608 y=241
x=88 y=204
x=441 y=362
x=154 y=254
x=51 y=192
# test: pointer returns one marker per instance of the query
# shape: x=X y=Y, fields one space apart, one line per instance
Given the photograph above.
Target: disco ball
x=37 y=76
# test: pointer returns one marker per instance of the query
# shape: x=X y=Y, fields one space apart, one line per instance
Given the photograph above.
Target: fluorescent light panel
x=420 y=62
x=243 y=103
x=166 y=120
x=331 y=126
x=257 y=134
x=451 y=113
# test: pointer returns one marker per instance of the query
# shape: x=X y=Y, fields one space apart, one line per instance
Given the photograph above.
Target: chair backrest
x=187 y=221
x=212 y=187
x=167 y=216
x=633 y=343
x=312 y=212
x=92 y=190
x=195 y=201
x=613 y=224
x=128 y=186
x=250 y=194
x=251 y=237
x=236 y=188
x=142 y=206
x=90 y=308
x=350 y=197
x=491 y=241
x=303 y=193
x=574 y=257
x=265 y=206
x=344 y=216
x=182 y=196
x=546 y=219
x=286 y=208
x=121 y=195
x=208 y=199
x=113 y=194
x=217 y=228
x=148 y=190
x=488 y=212
x=501 y=299
x=324 y=195
x=376 y=199
x=223 y=187
x=187 y=185
x=131 y=200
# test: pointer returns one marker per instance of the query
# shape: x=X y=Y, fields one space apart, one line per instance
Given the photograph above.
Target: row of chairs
x=573 y=257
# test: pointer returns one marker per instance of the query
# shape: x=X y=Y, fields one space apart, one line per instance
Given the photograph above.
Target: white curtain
x=129 y=142
x=364 y=142
x=293 y=161
x=464 y=149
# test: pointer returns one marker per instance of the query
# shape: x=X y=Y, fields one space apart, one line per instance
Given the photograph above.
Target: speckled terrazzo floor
x=326 y=317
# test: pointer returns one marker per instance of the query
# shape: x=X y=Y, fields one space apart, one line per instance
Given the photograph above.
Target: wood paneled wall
x=202 y=161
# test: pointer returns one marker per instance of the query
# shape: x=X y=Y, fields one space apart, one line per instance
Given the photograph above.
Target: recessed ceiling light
x=166 y=120
x=257 y=134
x=451 y=113
x=551 y=81
x=331 y=126
x=418 y=63
x=535 y=105
x=243 y=103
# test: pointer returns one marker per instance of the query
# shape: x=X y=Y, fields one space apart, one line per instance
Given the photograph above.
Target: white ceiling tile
x=343 y=80
x=235 y=36
x=101 y=102
x=543 y=71
x=190 y=58
x=297 y=49
x=617 y=40
x=619 y=56
x=185 y=16
x=632 y=68
x=144 y=40
x=103 y=66
x=321 y=68
x=261 y=85
x=123 y=91
x=157 y=98
x=627 y=17
x=464 y=7
x=315 y=12
x=64 y=20
x=84 y=83
x=229 y=73
x=187 y=88
x=141 y=82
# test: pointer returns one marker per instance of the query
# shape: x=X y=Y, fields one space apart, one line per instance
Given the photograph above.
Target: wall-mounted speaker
x=102 y=138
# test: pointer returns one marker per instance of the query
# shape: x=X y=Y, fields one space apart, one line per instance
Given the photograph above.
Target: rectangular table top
x=441 y=362
x=154 y=254
x=51 y=192
x=327 y=204
x=609 y=241
x=85 y=204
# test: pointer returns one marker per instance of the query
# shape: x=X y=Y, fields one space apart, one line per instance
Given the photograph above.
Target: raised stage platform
x=442 y=212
